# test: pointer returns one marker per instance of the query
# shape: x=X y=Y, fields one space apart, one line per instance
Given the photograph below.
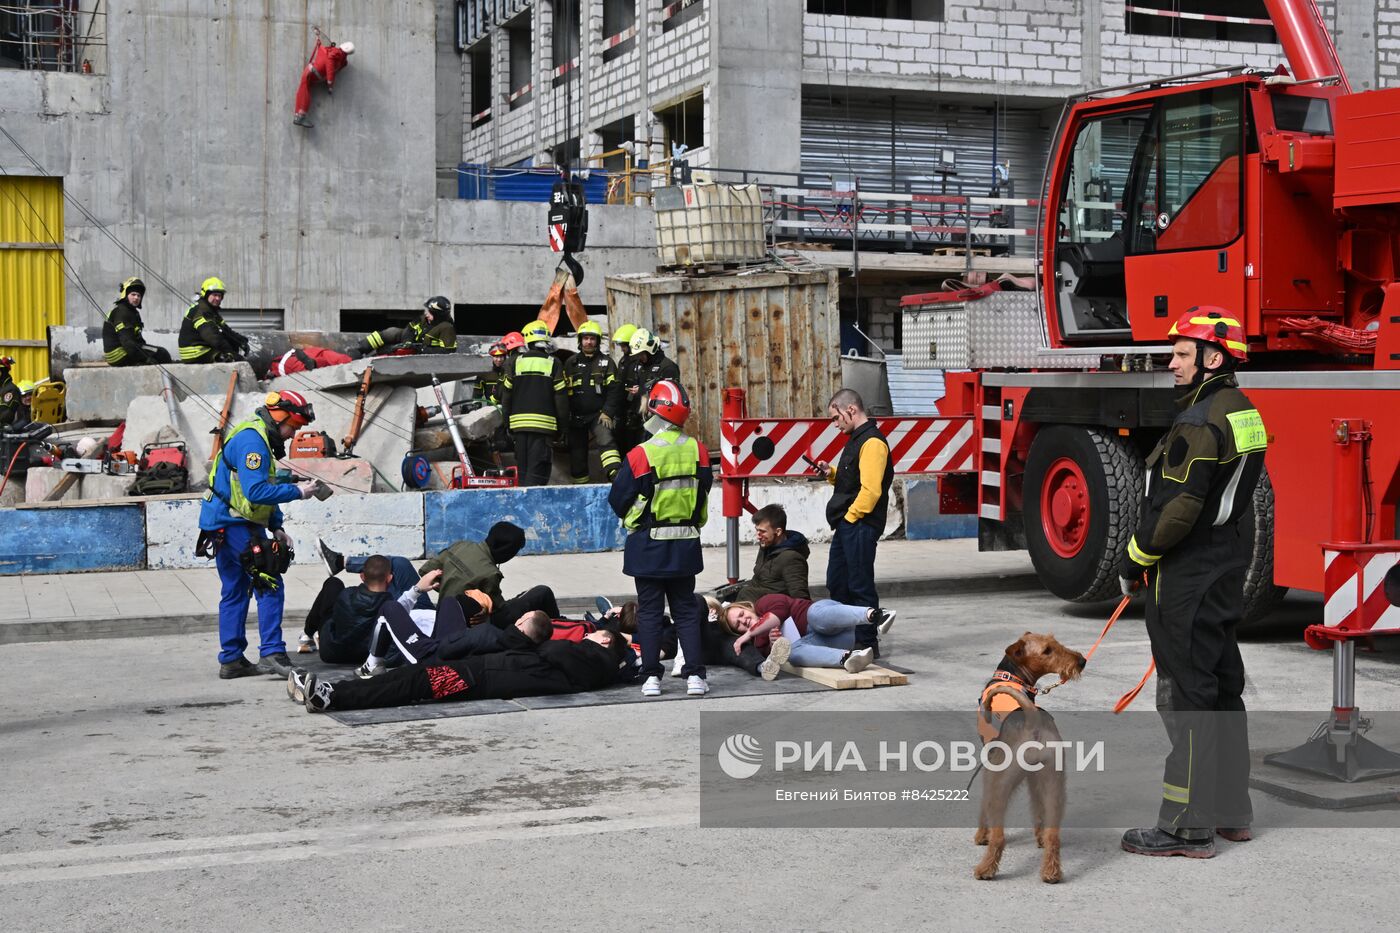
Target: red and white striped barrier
x=1205 y=17
x=1354 y=587
x=519 y=93
x=769 y=447
x=612 y=42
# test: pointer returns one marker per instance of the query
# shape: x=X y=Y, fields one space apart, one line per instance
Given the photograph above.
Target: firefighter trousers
x=533 y=457
x=1195 y=601
x=585 y=434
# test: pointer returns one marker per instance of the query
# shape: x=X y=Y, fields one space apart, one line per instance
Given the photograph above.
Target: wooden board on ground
x=960 y=251
x=838 y=679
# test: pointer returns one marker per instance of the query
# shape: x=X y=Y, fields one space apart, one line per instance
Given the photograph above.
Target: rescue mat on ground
x=725 y=682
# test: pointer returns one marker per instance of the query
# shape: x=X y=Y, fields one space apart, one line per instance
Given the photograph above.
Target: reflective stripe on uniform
x=117 y=355
x=531 y=422
x=195 y=353
x=1140 y=556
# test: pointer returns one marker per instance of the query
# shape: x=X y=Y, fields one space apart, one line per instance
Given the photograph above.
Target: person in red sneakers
x=326 y=60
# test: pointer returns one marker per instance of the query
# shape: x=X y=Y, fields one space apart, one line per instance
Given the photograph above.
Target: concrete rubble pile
x=99 y=398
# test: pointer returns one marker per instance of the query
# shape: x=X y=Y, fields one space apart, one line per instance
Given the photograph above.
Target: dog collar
x=1012 y=678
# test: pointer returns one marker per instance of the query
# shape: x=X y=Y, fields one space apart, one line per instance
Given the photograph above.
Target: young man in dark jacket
x=781 y=566
x=599 y=661
x=344 y=616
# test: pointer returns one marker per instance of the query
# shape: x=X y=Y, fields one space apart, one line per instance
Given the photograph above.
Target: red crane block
x=770 y=447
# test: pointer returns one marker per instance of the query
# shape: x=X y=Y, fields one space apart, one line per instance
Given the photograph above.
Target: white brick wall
x=1388 y=43
x=1128 y=58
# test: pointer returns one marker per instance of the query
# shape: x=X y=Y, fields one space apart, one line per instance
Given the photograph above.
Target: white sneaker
x=365 y=671
x=306 y=644
x=696 y=686
x=882 y=619
x=778 y=654
x=652 y=687
x=679 y=664
x=858 y=661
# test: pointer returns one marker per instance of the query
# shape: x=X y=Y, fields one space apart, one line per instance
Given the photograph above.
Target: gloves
x=1130 y=586
x=280 y=535
x=606 y=420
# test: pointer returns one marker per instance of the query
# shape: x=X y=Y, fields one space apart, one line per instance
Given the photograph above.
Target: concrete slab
x=69 y=540
x=40 y=481
x=13 y=492
x=197 y=416
x=388 y=370
x=102 y=393
x=351 y=475
x=105 y=486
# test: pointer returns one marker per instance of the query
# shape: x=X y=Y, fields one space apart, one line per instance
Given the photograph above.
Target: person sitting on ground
x=781 y=565
x=821 y=633
x=600 y=660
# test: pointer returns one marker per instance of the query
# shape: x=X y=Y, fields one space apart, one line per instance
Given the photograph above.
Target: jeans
x=831 y=628
x=850 y=572
x=404 y=573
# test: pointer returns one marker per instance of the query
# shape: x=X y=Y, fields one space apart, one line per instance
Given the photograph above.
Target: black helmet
x=133 y=284
x=439 y=306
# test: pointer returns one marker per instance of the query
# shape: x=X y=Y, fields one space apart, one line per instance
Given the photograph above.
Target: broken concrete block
x=197 y=416
x=106 y=486
x=102 y=393
x=347 y=475
x=42 y=480
x=357 y=525
x=13 y=493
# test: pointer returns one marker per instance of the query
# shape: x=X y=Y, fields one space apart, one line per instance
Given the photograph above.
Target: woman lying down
x=800 y=631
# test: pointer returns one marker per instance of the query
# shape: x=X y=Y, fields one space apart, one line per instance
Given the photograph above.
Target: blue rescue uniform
x=243 y=502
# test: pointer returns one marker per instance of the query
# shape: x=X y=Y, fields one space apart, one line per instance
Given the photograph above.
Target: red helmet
x=498 y=349
x=290 y=406
x=1216 y=325
x=513 y=341
x=670 y=401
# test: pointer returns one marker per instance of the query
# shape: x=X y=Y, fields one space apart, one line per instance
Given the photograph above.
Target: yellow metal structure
x=31 y=270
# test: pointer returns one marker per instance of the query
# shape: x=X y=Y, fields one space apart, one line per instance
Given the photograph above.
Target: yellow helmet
x=624 y=334
x=534 y=332
x=212 y=284
x=132 y=284
x=644 y=341
x=590 y=327
x=25 y=387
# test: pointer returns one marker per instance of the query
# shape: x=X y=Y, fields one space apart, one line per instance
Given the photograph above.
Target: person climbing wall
x=326 y=59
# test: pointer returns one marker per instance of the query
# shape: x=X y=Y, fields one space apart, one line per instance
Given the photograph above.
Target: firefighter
x=240 y=507
x=121 y=333
x=535 y=401
x=432 y=333
x=488 y=387
x=204 y=337
x=660 y=494
x=651 y=366
x=326 y=59
x=9 y=393
x=1194 y=551
x=595 y=402
x=624 y=433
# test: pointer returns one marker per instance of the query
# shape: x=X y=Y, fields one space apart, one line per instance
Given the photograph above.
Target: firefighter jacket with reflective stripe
x=121 y=334
x=441 y=338
x=593 y=386
x=534 y=393
x=658 y=367
x=241 y=486
x=1201 y=474
x=204 y=333
x=488 y=387
x=862 y=479
x=660 y=493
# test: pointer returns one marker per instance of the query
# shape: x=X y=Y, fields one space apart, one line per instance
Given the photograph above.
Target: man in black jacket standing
x=857 y=509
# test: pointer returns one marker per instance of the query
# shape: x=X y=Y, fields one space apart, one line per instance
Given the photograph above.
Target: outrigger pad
x=725 y=682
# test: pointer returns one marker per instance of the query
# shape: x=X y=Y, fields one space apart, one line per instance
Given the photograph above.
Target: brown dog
x=1007 y=713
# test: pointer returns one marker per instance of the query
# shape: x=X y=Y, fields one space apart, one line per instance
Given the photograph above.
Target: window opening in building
x=564 y=40
x=684 y=123
x=369 y=320
x=922 y=10
x=519 y=33
x=1230 y=20
x=613 y=136
x=619 y=28
x=241 y=319
x=52 y=35
x=676 y=13
x=480 y=55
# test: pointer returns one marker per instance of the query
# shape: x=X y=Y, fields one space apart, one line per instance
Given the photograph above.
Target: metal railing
x=53 y=35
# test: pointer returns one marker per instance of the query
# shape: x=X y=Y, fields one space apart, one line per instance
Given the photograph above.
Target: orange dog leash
x=1131 y=695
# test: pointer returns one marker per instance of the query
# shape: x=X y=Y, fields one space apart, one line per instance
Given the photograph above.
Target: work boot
x=278 y=665
x=1159 y=842
x=301 y=120
x=241 y=667
x=334 y=560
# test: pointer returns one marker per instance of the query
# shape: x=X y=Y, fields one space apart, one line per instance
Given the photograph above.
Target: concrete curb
x=16 y=633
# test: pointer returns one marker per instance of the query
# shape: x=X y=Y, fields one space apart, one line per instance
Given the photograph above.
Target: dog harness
x=991 y=713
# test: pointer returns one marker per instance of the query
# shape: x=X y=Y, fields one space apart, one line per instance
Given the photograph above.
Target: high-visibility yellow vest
x=675 y=459
x=238 y=502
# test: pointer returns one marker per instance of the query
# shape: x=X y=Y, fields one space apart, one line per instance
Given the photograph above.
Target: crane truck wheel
x=1261 y=595
x=1081 y=491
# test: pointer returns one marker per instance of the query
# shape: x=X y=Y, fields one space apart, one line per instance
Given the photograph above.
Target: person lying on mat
x=819 y=634
x=600 y=660
x=419 y=635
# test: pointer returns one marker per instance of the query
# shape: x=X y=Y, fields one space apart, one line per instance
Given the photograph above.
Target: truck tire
x=1261 y=595
x=1081 y=493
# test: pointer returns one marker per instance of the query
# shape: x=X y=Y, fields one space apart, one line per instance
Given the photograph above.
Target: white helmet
x=348 y=48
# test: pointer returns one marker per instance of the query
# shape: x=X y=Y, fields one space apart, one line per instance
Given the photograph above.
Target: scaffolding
x=53 y=35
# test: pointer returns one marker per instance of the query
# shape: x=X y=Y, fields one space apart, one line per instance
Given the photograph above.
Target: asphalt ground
x=141 y=793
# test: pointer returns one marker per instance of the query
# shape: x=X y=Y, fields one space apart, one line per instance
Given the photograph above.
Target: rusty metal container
x=772 y=332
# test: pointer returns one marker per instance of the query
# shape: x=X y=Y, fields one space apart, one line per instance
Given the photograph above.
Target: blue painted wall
x=108 y=537
x=556 y=519
x=922 y=519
